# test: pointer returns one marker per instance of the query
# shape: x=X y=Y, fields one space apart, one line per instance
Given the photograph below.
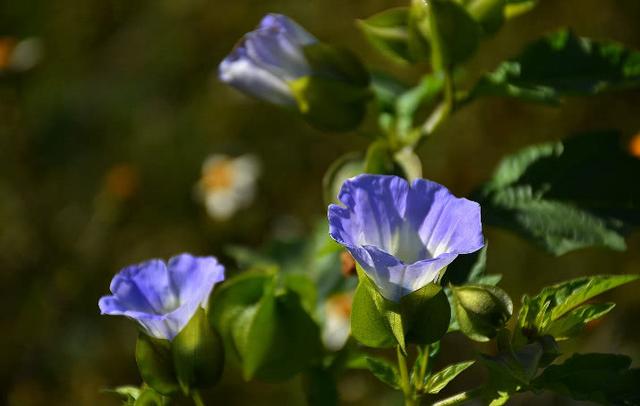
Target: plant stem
x=405 y=384
x=419 y=383
x=459 y=398
x=442 y=111
x=197 y=399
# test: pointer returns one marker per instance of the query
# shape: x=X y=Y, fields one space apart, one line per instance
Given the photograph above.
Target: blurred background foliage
x=102 y=142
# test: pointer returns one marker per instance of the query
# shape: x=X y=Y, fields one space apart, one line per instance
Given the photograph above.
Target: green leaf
x=602 y=378
x=368 y=323
x=388 y=32
x=481 y=310
x=541 y=313
x=384 y=371
x=304 y=287
x=574 y=322
x=155 y=364
x=566 y=195
x=563 y=64
x=441 y=379
x=408 y=103
x=387 y=89
x=198 y=354
x=454 y=34
x=234 y=304
x=272 y=349
x=426 y=314
x=556 y=309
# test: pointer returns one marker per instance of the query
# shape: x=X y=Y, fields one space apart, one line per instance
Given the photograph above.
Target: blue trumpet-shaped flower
x=267 y=59
x=161 y=297
x=403 y=235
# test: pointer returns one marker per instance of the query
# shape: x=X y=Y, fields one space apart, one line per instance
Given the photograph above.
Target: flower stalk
x=405 y=384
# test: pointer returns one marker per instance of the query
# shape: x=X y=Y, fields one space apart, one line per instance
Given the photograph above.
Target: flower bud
x=283 y=64
x=481 y=310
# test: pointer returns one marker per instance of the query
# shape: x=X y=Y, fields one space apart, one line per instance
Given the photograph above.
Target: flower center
x=219 y=176
x=406 y=245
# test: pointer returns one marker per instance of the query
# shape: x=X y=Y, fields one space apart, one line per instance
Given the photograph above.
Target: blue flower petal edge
x=402 y=235
x=161 y=297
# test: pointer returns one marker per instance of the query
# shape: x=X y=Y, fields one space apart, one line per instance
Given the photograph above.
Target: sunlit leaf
x=563 y=64
x=441 y=379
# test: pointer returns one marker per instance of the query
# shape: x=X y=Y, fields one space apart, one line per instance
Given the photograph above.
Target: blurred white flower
x=227 y=184
x=20 y=55
x=337 y=325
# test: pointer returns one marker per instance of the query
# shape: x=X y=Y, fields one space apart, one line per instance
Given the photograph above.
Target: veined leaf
x=441 y=379
x=384 y=371
x=574 y=321
x=563 y=64
x=543 y=311
x=602 y=378
x=566 y=195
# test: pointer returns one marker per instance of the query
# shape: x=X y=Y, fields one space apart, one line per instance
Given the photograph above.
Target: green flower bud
x=481 y=310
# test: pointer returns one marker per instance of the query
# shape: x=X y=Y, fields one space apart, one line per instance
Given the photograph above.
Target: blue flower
x=267 y=59
x=403 y=235
x=161 y=297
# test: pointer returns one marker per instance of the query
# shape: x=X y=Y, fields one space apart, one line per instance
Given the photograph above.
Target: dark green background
x=134 y=83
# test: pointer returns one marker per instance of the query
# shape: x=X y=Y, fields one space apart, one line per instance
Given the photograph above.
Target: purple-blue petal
x=194 y=277
x=267 y=58
x=403 y=236
x=161 y=298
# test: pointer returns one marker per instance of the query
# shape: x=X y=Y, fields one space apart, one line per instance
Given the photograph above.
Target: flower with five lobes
x=268 y=59
x=161 y=297
x=403 y=235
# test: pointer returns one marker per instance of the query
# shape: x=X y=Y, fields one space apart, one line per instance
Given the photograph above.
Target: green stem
x=460 y=398
x=405 y=384
x=443 y=110
x=419 y=383
x=197 y=399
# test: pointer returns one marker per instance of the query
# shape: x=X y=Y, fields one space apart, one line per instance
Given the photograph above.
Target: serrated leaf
x=563 y=64
x=566 y=195
x=540 y=312
x=602 y=378
x=384 y=371
x=573 y=322
x=441 y=379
